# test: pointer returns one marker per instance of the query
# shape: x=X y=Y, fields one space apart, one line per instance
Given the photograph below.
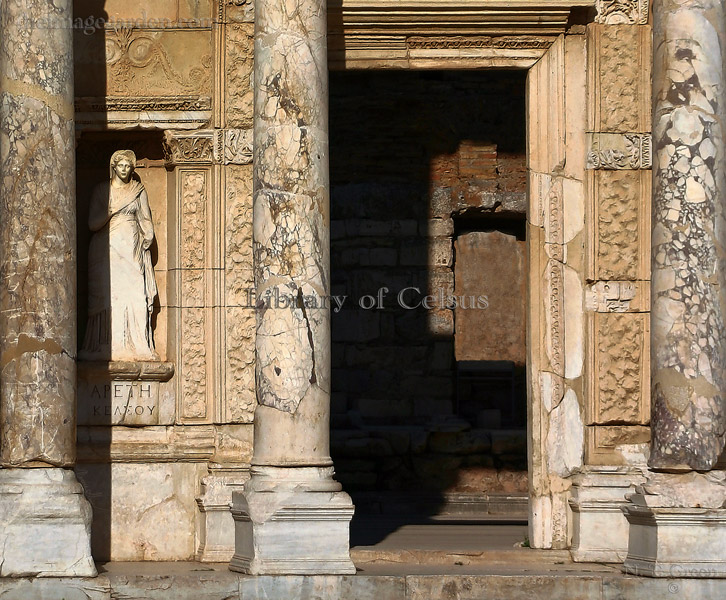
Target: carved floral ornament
x=615 y=151
x=219 y=146
x=129 y=49
x=622 y=12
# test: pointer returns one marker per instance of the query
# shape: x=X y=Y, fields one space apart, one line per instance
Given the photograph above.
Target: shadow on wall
x=428 y=180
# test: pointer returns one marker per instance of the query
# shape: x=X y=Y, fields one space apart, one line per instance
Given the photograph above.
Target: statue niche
x=121 y=282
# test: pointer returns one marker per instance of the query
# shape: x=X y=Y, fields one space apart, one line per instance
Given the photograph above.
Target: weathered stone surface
x=360 y=587
x=462 y=587
x=45 y=524
x=140 y=63
x=620 y=344
x=619 y=211
x=305 y=499
x=565 y=439
x=490 y=284
x=142 y=511
x=69 y=588
x=619 y=58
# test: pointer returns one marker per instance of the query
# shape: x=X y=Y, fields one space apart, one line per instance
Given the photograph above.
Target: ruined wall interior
x=515 y=167
x=428 y=201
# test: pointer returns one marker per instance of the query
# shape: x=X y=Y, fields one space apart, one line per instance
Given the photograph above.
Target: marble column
x=292 y=516
x=44 y=516
x=688 y=337
x=678 y=517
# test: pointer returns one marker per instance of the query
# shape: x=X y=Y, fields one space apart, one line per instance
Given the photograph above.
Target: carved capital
x=233 y=146
x=622 y=12
x=194 y=147
x=614 y=151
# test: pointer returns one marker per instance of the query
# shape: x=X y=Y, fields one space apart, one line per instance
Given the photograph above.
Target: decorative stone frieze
x=209 y=146
x=622 y=12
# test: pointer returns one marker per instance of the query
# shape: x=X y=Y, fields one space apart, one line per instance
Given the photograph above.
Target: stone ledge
x=127 y=370
x=192 y=581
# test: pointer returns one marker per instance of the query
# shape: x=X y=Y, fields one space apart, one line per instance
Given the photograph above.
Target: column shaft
x=688 y=338
x=292 y=516
x=291 y=234
x=45 y=519
x=37 y=235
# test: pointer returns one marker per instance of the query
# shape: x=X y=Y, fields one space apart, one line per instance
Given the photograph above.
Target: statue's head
x=123 y=163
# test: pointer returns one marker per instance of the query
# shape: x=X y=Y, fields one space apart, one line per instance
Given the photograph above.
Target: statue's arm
x=98 y=211
x=145 y=222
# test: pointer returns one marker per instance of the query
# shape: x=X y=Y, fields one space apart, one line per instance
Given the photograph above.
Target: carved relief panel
x=618 y=232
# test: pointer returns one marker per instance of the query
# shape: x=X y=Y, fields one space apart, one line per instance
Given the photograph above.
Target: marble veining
x=37 y=239
x=688 y=237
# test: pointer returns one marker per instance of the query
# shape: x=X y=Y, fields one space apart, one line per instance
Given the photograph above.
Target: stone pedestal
x=46 y=524
x=678 y=526
x=292 y=521
x=600 y=529
x=216 y=532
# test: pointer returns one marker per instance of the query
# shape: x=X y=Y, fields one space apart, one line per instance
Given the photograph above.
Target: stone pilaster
x=678 y=517
x=44 y=517
x=292 y=516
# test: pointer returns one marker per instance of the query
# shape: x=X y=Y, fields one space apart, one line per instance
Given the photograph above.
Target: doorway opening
x=428 y=208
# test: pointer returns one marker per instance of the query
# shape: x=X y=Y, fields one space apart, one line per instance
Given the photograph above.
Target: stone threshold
x=445 y=504
x=546 y=579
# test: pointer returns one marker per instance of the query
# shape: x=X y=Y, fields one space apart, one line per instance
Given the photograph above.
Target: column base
x=292 y=522
x=600 y=529
x=669 y=539
x=45 y=524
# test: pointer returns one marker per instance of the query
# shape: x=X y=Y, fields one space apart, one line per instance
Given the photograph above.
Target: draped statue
x=121 y=282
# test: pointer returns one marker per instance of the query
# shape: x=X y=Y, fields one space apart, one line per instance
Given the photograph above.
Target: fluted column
x=688 y=337
x=44 y=517
x=292 y=473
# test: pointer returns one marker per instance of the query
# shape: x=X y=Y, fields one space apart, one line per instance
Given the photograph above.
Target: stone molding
x=135 y=370
x=622 y=12
x=146 y=445
x=437 y=33
x=151 y=103
x=616 y=151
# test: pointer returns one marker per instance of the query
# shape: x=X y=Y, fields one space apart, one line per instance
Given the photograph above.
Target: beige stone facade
x=238 y=184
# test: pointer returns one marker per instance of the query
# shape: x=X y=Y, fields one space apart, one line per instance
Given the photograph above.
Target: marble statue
x=121 y=282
